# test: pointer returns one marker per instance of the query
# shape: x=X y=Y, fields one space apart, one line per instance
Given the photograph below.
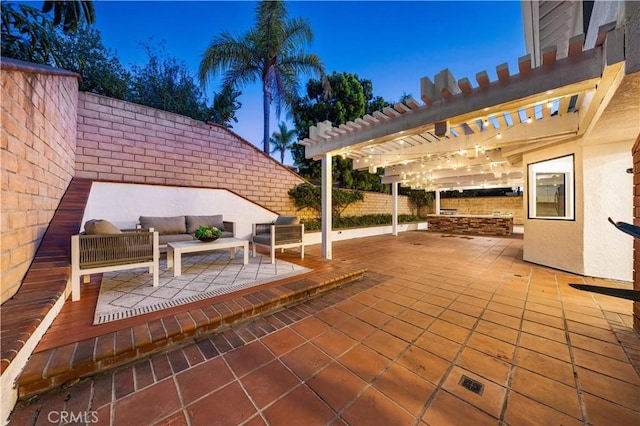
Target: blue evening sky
x=391 y=43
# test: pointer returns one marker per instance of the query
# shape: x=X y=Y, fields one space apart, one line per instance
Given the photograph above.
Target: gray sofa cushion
x=172 y=238
x=194 y=222
x=286 y=220
x=264 y=239
x=164 y=225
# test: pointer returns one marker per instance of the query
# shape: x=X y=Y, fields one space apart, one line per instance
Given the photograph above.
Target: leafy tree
x=101 y=71
x=418 y=197
x=225 y=106
x=282 y=140
x=350 y=98
x=306 y=195
x=165 y=83
x=69 y=14
x=28 y=35
x=269 y=53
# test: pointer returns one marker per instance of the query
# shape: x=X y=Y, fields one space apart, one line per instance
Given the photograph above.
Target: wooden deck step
x=47 y=277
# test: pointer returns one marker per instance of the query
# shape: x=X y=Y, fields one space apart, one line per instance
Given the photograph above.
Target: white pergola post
x=394 y=208
x=327 y=219
x=437 y=201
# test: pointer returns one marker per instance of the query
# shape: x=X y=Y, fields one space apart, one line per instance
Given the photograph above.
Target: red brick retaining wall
x=37 y=157
x=124 y=142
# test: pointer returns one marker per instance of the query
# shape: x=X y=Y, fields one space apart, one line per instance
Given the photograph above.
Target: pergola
x=463 y=137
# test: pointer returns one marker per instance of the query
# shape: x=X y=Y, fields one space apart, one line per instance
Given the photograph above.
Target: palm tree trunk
x=266 y=105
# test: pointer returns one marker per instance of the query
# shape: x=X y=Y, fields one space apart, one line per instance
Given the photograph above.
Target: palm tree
x=282 y=140
x=270 y=53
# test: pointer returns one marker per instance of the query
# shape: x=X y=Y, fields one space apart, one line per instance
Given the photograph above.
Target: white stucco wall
x=556 y=243
x=123 y=204
x=589 y=245
x=609 y=193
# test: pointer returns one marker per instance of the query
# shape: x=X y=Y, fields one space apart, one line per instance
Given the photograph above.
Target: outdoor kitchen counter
x=498 y=225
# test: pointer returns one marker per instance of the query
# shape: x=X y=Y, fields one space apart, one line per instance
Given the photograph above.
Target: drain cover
x=473 y=385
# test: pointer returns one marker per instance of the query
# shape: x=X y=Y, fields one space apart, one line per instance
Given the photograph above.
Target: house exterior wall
x=37 y=149
x=609 y=193
x=587 y=245
x=557 y=243
x=124 y=142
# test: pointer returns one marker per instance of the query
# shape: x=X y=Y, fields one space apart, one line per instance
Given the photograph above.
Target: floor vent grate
x=473 y=385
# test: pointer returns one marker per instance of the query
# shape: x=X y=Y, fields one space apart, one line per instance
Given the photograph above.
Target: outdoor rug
x=124 y=294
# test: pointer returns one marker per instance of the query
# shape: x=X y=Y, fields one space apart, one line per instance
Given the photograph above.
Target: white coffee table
x=176 y=249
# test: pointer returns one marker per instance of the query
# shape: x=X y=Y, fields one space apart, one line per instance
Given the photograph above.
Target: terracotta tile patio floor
x=432 y=313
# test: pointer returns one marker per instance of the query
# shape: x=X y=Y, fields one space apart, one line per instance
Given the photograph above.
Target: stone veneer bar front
x=471 y=224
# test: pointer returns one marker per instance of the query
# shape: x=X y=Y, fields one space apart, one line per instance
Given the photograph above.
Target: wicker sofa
x=182 y=228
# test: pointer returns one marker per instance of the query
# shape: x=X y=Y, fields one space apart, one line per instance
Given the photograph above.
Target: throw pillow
x=100 y=227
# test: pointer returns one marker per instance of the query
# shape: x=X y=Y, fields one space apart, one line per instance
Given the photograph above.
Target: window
x=551 y=189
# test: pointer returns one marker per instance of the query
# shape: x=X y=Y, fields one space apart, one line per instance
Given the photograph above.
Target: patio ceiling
x=462 y=137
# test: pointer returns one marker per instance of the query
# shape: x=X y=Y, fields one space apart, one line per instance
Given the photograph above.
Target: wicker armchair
x=93 y=254
x=284 y=233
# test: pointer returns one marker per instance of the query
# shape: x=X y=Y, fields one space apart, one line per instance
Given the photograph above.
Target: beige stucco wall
x=37 y=156
x=557 y=243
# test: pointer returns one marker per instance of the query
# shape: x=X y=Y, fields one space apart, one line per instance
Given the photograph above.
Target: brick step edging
x=57 y=367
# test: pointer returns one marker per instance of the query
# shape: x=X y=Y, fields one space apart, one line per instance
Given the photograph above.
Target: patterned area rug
x=125 y=294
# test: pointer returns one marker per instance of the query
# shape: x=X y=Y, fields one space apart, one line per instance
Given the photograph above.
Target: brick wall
x=487 y=205
x=636 y=221
x=500 y=226
x=124 y=142
x=37 y=155
x=378 y=203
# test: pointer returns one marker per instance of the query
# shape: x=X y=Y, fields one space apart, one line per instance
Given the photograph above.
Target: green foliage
x=360 y=221
x=418 y=197
x=208 y=232
x=101 y=71
x=306 y=195
x=350 y=98
x=31 y=35
x=282 y=140
x=165 y=83
x=225 y=106
x=270 y=53
x=28 y=35
x=68 y=14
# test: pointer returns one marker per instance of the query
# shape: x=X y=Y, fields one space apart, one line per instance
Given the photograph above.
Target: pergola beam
x=566 y=76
